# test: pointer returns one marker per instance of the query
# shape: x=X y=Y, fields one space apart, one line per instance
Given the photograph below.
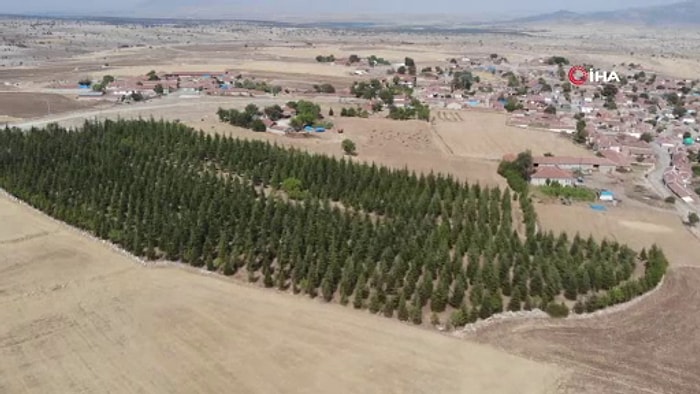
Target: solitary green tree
x=349 y=147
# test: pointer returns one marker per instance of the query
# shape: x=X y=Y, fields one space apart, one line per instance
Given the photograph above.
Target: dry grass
x=79 y=317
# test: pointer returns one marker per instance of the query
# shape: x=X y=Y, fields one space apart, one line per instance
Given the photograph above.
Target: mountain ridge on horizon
x=685 y=12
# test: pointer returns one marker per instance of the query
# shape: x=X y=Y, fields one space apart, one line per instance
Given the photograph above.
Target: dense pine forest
x=415 y=247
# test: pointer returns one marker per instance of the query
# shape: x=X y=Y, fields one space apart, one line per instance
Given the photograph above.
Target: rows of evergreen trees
x=390 y=241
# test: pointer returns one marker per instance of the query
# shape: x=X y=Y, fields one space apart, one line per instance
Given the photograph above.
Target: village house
x=584 y=164
x=621 y=161
x=408 y=81
x=548 y=175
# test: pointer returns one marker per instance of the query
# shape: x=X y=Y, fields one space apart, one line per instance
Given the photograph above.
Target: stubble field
x=650 y=347
x=484 y=135
x=27 y=105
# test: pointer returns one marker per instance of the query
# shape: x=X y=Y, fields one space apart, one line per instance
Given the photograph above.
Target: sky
x=310 y=8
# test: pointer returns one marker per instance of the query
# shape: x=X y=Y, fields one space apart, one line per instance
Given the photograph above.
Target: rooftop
x=552 y=173
x=568 y=160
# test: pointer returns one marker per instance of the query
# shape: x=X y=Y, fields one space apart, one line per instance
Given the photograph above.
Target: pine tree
x=375 y=304
x=388 y=309
x=228 y=268
x=327 y=289
x=460 y=317
x=267 y=280
x=515 y=301
x=438 y=301
x=477 y=294
x=584 y=281
x=416 y=314
x=458 y=292
x=486 y=308
x=358 y=299
x=402 y=313
x=281 y=279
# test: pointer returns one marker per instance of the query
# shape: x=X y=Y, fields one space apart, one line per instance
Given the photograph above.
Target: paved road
x=655 y=180
x=655 y=177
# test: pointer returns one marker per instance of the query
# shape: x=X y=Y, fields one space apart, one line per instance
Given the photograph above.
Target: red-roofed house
x=552 y=174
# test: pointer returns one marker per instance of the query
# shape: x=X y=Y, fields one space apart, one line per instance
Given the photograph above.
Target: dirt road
x=166 y=102
x=78 y=317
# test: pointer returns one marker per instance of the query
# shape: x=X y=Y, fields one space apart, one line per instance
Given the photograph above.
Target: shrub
x=459 y=318
x=557 y=310
x=293 y=188
x=646 y=137
x=324 y=88
x=348 y=147
x=670 y=199
x=258 y=125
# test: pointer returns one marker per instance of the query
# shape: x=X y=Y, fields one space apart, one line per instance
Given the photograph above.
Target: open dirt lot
x=27 y=105
x=77 y=316
x=485 y=135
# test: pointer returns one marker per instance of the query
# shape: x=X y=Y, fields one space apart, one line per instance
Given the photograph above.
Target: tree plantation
x=390 y=241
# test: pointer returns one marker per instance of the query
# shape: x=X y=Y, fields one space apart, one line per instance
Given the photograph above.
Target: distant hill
x=682 y=13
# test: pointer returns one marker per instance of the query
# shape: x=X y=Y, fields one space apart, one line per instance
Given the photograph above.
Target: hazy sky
x=272 y=8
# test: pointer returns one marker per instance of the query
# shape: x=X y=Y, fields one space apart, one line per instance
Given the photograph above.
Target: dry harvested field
x=651 y=347
x=28 y=105
x=77 y=316
x=637 y=227
x=420 y=53
x=484 y=135
x=395 y=144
